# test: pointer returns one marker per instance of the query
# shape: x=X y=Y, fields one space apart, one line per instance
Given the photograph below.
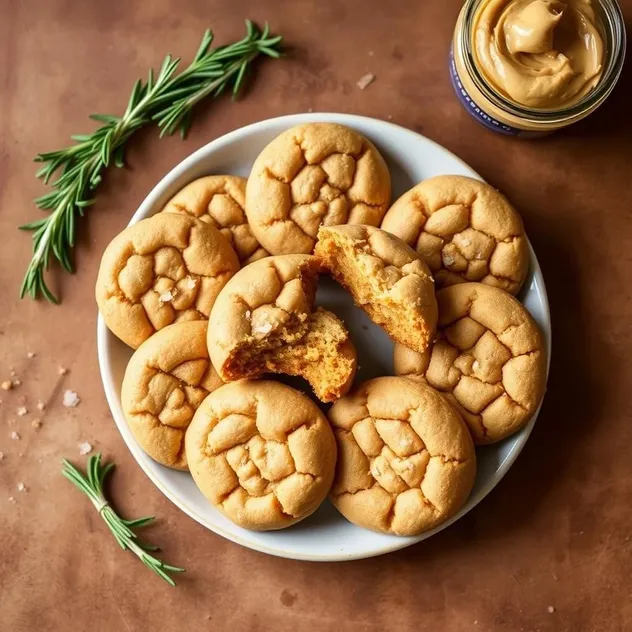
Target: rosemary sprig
x=167 y=99
x=92 y=486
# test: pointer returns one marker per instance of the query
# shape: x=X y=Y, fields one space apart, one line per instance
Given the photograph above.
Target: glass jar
x=502 y=115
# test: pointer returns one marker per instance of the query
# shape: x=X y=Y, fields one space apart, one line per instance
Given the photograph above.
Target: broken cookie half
x=263 y=322
x=386 y=278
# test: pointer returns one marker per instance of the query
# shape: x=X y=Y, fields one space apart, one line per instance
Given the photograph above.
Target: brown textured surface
x=554 y=533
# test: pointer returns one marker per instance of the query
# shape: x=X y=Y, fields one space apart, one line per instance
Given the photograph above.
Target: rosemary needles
x=92 y=486
x=167 y=99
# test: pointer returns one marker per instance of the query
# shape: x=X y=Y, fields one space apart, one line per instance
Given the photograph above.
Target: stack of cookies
x=217 y=292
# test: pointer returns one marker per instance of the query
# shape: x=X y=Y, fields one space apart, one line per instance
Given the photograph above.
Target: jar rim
x=614 y=26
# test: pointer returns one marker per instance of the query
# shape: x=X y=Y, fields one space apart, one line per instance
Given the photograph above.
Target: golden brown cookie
x=489 y=360
x=263 y=322
x=165 y=381
x=406 y=462
x=317 y=174
x=262 y=453
x=220 y=201
x=386 y=278
x=464 y=229
x=165 y=269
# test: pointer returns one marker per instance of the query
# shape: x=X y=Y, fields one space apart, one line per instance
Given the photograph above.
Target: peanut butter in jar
x=529 y=67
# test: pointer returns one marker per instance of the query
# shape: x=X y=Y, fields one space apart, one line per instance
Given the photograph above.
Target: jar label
x=468 y=103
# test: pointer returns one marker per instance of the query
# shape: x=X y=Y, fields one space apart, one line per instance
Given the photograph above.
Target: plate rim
x=113 y=397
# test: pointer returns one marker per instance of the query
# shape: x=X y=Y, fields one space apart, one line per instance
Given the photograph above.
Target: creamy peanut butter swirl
x=539 y=53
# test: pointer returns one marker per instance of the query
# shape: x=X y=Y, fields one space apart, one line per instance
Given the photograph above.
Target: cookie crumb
x=7 y=385
x=550 y=609
x=22 y=487
x=36 y=423
x=191 y=283
x=30 y=355
x=63 y=370
x=85 y=448
x=71 y=399
x=266 y=328
x=41 y=405
x=22 y=410
x=17 y=382
x=365 y=81
x=15 y=436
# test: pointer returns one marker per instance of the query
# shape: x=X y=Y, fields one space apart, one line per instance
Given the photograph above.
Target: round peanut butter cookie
x=166 y=380
x=406 y=461
x=262 y=322
x=464 y=229
x=317 y=174
x=386 y=278
x=221 y=202
x=489 y=360
x=262 y=453
x=165 y=269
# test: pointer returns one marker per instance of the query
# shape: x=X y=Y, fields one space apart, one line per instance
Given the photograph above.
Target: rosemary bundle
x=167 y=99
x=92 y=486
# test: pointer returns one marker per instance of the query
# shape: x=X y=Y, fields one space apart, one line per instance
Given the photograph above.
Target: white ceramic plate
x=325 y=536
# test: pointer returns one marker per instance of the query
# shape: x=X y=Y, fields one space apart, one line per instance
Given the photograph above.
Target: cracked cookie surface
x=164 y=269
x=489 y=360
x=220 y=201
x=166 y=380
x=406 y=461
x=263 y=322
x=317 y=174
x=464 y=229
x=386 y=278
x=262 y=453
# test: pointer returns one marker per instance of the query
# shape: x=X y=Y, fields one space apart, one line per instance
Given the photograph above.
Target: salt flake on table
x=22 y=410
x=41 y=405
x=365 y=81
x=85 y=448
x=71 y=399
x=15 y=436
x=21 y=487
